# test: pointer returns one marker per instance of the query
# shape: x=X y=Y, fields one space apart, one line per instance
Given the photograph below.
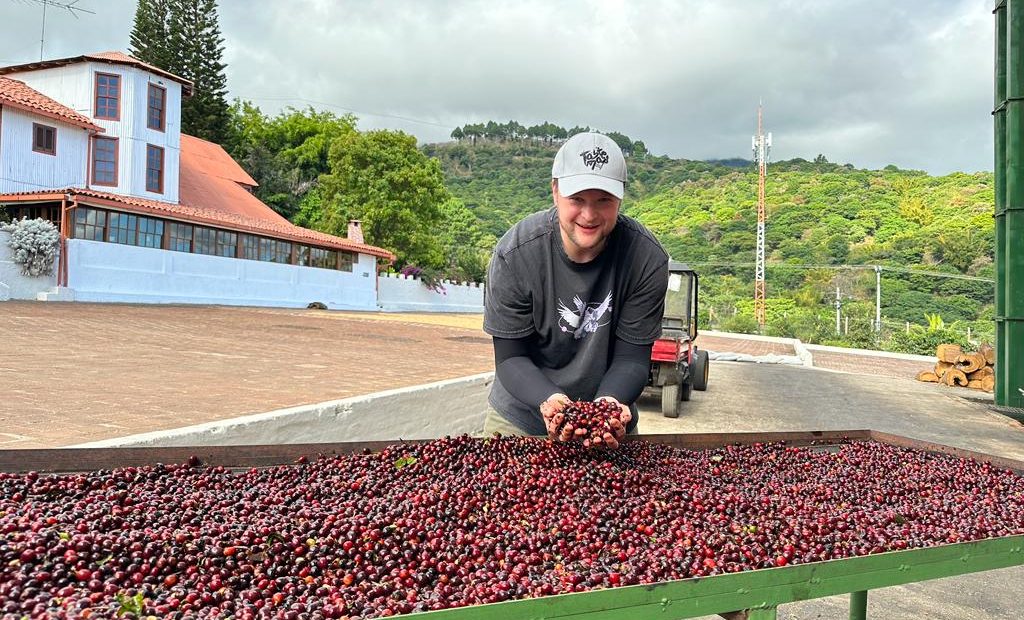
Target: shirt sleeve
x=508 y=306
x=640 y=319
x=628 y=373
x=518 y=374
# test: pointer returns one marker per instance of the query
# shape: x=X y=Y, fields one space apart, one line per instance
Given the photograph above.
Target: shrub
x=924 y=341
x=33 y=245
x=428 y=277
x=739 y=324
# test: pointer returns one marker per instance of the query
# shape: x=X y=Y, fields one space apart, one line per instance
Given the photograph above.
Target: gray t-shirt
x=575 y=310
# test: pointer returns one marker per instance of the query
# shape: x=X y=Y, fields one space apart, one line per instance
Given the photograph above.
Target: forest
x=828 y=226
x=442 y=207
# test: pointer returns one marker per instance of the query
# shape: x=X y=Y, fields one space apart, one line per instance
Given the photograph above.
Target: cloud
x=872 y=82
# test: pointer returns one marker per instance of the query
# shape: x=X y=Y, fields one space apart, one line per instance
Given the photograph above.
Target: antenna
x=761 y=145
x=69 y=6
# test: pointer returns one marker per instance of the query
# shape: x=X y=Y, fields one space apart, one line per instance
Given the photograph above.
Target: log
x=989 y=353
x=941 y=367
x=969 y=362
x=981 y=373
x=989 y=383
x=976 y=384
x=954 y=376
x=948 y=352
x=927 y=376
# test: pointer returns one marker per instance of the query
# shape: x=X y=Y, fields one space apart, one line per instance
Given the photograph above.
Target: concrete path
x=774 y=397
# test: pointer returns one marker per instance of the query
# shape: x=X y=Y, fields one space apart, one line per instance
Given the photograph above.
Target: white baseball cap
x=590 y=161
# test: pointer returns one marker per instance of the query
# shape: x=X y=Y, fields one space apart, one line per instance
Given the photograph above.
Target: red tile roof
x=117 y=58
x=17 y=94
x=211 y=158
x=198 y=215
x=210 y=192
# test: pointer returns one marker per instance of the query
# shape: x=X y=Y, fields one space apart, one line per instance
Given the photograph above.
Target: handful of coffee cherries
x=594 y=423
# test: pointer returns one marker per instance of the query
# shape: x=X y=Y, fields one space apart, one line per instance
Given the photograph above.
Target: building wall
x=23 y=170
x=14 y=285
x=74 y=86
x=108 y=272
x=398 y=293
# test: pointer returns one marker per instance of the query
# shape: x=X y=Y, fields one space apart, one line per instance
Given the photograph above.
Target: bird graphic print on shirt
x=586 y=318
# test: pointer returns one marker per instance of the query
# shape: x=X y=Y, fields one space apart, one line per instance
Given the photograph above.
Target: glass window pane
x=284 y=252
x=104 y=160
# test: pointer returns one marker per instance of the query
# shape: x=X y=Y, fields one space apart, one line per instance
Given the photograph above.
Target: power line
x=921 y=272
x=346 y=109
x=69 y=6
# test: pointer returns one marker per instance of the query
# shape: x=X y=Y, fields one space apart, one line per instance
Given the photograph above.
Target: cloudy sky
x=869 y=82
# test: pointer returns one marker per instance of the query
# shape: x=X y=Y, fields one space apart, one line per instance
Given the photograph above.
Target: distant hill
x=818 y=214
x=503 y=181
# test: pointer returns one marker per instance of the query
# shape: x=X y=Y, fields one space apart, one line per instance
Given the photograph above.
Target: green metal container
x=1009 y=166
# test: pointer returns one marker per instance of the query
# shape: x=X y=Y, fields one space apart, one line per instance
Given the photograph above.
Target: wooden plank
x=906 y=442
x=90 y=459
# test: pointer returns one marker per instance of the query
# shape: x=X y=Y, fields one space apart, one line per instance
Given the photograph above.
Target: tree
x=465 y=245
x=151 y=33
x=197 y=48
x=381 y=178
x=183 y=38
x=286 y=154
x=517 y=130
x=623 y=141
x=457 y=134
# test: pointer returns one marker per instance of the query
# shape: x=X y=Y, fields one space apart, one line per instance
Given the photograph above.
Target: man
x=574 y=300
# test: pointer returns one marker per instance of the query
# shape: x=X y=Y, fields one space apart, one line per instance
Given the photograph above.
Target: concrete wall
x=13 y=285
x=109 y=272
x=398 y=293
x=428 y=411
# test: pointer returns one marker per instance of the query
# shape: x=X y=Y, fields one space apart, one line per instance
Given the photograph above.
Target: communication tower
x=762 y=146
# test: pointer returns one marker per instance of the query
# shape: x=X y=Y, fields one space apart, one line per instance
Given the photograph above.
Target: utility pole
x=878 y=298
x=839 y=306
x=761 y=146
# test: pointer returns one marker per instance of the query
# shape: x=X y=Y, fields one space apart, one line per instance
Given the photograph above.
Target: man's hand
x=613 y=438
x=551 y=411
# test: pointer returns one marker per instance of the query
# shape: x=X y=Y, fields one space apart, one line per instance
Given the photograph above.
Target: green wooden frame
x=757 y=594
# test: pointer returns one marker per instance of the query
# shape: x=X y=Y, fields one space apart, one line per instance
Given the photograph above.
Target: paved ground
x=722 y=344
x=71 y=373
x=869 y=365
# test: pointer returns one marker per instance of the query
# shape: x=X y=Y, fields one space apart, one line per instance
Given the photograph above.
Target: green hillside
x=823 y=220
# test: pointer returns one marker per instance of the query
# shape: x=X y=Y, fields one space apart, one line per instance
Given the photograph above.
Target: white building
x=148 y=214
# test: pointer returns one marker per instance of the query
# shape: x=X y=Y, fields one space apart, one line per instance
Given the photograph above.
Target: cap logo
x=595 y=159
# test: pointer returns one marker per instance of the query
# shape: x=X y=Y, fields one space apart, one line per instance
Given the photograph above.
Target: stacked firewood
x=956 y=368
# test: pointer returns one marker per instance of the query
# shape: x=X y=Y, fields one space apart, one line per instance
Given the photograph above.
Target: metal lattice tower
x=762 y=145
